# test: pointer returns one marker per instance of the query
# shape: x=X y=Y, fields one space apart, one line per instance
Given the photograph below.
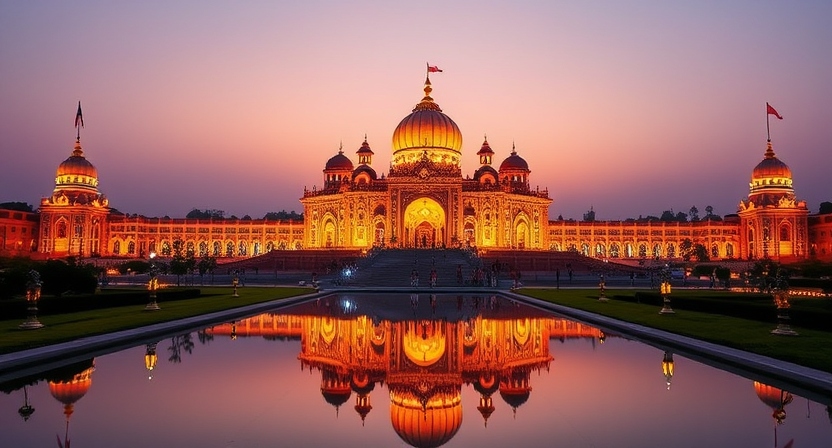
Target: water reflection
x=424 y=350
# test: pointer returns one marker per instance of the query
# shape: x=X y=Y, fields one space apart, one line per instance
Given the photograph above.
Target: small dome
x=364 y=169
x=514 y=162
x=339 y=162
x=77 y=169
x=485 y=169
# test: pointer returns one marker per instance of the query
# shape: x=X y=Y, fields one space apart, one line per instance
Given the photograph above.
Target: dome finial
x=513 y=150
x=341 y=147
x=769 y=150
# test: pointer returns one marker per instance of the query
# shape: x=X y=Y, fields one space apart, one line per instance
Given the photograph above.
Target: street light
x=33 y=287
x=236 y=281
x=153 y=284
x=665 y=290
x=781 y=300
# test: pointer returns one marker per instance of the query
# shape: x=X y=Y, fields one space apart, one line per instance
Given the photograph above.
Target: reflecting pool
x=403 y=370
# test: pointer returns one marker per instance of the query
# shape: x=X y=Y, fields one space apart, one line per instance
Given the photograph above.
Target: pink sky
x=629 y=107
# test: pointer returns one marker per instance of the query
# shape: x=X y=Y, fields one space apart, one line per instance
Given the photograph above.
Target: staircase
x=392 y=267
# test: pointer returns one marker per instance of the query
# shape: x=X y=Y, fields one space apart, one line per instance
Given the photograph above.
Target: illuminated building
x=425 y=201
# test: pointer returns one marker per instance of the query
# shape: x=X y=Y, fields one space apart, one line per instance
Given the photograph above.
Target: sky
x=628 y=107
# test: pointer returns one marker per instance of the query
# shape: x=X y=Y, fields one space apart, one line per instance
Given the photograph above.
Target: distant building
x=424 y=201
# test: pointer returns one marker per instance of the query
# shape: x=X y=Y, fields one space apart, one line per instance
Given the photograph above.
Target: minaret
x=485 y=152
x=365 y=154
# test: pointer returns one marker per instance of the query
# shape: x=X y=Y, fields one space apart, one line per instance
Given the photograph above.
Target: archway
x=424 y=224
x=522 y=236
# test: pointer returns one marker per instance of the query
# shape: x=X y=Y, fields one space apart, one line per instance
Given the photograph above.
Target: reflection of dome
x=775 y=398
x=515 y=398
x=339 y=162
x=431 y=426
x=335 y=387
x=70 y=384
x=427 y=129
x=77 y=171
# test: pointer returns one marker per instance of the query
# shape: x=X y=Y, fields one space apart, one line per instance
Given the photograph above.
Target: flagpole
x=768 y=130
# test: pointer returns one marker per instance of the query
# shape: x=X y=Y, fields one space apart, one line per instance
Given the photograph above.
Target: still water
x=402 y=370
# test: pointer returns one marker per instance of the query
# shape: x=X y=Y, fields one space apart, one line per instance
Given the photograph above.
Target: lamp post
x=665 y=290
x=781 y=300
x=236 y=281
x=602 y=288
x=33 y=287
x=153 y=284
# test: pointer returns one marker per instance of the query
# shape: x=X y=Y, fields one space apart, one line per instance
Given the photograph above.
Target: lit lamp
x=601 y=286
x=153 y=284
x=150 y=359
x=236 y=281
x=667 y=367
x=781 y=300
x=32 y=296
x=665 y=289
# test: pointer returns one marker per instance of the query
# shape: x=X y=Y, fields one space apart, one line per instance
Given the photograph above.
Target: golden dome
x=76 y=171
x=429 y=130
x=771 y=173
x=431 y=425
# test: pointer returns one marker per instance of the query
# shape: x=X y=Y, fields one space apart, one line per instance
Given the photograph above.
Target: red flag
x=770 y=110
x=433 y=69
x=79 y=119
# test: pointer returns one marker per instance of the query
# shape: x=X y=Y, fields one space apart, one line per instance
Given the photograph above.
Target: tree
x=283 y=215
x=694 y=214
x=206 y=264
x=17 y=206
x=667 y=216
x=205 y=214
x=825 y=208
x=681 y=217
x=178 y=264
x=700 y=252
x=686 y=249
x=709 y=211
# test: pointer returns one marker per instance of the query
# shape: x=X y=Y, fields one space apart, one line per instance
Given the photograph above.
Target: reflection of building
x=425 y=201
x=424 y=362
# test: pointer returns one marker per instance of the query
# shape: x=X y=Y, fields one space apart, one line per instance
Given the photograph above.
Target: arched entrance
x=424 y=224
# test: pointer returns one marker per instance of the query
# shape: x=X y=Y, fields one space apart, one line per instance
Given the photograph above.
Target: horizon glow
x=630 y=108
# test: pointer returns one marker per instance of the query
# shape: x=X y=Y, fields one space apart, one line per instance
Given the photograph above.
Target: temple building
x=423 y=201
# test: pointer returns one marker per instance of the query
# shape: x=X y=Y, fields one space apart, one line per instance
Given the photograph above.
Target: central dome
x=427 y=130
x=76 y=171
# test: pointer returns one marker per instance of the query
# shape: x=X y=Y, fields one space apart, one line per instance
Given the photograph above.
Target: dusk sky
x=629 y=107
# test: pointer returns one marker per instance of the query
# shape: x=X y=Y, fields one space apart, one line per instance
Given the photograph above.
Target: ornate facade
x=424 y=201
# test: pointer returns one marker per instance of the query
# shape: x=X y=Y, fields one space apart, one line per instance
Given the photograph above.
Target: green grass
x=66 y=327
x=810 y=348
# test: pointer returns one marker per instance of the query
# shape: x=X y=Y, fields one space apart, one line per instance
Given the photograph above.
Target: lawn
x=70 y=326
x=809 y=349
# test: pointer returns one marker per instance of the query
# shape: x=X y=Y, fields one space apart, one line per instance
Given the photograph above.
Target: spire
x=427 y=102
x=513 y=150
x=769 y=150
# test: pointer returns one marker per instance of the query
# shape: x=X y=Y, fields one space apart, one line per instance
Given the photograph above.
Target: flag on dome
x=433 y=69
x=771 y=111
x=79 y=119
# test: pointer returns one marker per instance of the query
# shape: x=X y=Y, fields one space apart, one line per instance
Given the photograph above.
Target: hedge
x=809 y=313
x=17 y=308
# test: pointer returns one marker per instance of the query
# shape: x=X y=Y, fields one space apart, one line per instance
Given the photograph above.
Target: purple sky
x=629 y=107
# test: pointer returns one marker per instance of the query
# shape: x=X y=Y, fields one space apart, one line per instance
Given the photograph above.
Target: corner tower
x=772 y=220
